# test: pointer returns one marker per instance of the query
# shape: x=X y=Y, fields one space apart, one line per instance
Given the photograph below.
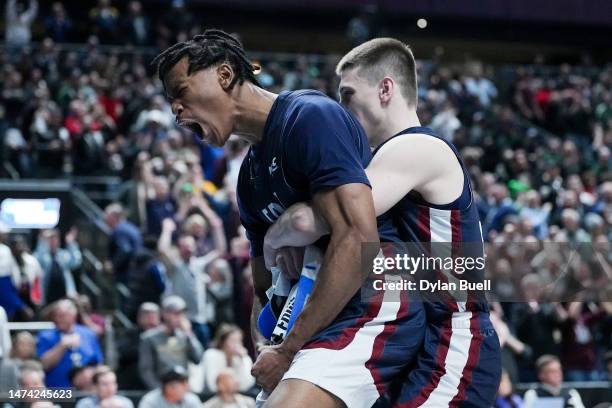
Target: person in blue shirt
x=304 y=146
x=67 y=346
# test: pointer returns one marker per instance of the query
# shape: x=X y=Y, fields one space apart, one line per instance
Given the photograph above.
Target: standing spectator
x=124 y=242
x=137 y=25
x=230 y=354
x=187 y=277
x=160 y=206
x=172 y=392
x=105 y=387
x=67 y=346
x=10 y=302
x=18 y=24
x=550 y=375
x=58 y=25
x=105 y=19
x=147 y=278
x=480 y=87
x=147 y=319
x=227 y=393
x=27 y=275
x=578 y=351
x=171 y=344
x=58 y=264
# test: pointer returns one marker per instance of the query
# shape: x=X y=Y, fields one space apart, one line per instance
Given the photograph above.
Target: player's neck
x=396 y=122
x=253 y=105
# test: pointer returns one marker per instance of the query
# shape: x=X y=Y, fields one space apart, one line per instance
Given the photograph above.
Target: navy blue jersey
x=456 y=223
x=310 y=143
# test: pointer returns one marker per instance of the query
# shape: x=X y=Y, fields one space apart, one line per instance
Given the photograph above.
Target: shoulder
x=305 y=104
x=48 y=335
x=191 y=398
x=414 y=149
x=213 y=354
x=86 y=402
x=83 y=330
x=150 y=397
x=150 y=334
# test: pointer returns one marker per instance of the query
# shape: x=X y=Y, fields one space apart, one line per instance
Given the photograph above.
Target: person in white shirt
x=229 y=353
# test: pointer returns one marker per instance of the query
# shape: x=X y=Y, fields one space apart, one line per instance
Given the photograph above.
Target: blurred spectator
x=58 y=264
x=87 y=317
x=124 y=242
x=105 y=387
x=24 y=347
x=230 y=354
x=147 y=278
x=505 y=395
x=147 y=319
x=27 y=275
x=58 y=24
x=5 y=336
x=67 y=346
x=480 y=87
x=10 y=302
x=550 y=375
x=172 y=392
x=511 y=347
x=446 y=122
x=536 y=323
x=187 y=277
x=31 y=375
x=105 y=19
x=227 y=393
x=160 y=205
x=137 y=25
x=220 y=289
x=171 y=344
x=578 y=352
x=18 y=23
x=81 y=378
x=9 y=371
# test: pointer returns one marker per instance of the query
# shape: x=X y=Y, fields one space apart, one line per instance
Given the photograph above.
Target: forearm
x=256 y=336
x=53 y=356
x=339 y=278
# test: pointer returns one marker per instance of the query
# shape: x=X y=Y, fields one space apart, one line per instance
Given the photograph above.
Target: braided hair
x=206 y=50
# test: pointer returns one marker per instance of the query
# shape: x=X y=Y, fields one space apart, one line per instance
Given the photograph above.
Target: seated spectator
x=169 y=345
x=81 y=378
x=172 y=392
x=105 y=387
x=187 y=277
x=147 y=318
x=505 y=395
x=124 y=242
x=24 y=347
x=230 y=354
x=58 y=264
x=67 y=346
x=550 y=375
x=227 y=393
x=31 y=375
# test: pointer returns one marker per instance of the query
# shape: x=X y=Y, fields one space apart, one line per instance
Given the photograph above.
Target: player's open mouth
x=193 y=126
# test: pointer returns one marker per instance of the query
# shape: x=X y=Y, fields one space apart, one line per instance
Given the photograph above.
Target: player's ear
x=385 y=90
x=225 y=75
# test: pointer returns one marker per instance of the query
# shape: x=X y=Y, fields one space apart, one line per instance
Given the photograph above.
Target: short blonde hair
x=380 y=57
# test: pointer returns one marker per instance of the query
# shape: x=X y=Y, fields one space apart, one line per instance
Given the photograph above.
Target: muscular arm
x=349 y=211
x=420 y=163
